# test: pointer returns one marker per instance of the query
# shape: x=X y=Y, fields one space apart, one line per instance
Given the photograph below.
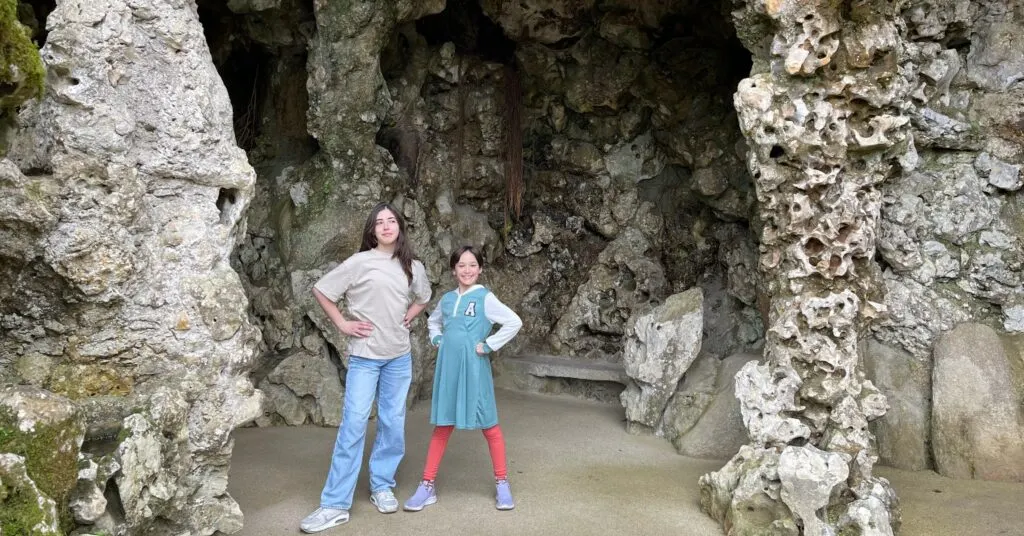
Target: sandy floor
x=573 y=471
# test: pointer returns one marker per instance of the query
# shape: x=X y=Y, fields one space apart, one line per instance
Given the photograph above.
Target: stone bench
x=549 y=366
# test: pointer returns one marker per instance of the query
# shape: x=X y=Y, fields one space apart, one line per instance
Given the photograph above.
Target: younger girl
x=463 y=386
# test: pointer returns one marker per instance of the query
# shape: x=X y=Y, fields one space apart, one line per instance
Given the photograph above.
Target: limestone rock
x=713 y=427
x=88 y=502
x=24 y=508
x=808 y=475
x=746 y=493
x=46 y=431
x=546 y=21
x=976 y=420
x=904 y=434
x=134 y=144
x=623 y=282
x=996 y=59
x=659 y=348
x=305 y=388
x=695 y=393
x=1000 y=174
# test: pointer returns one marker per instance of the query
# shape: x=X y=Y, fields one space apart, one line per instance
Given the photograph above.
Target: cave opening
x=33 y=14
x=261 y=58
x=631 y=167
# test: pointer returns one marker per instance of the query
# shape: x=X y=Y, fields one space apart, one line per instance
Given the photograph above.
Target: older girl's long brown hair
x=403 y=250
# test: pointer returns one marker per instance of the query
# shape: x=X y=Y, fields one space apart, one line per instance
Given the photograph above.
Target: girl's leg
x=496 y=444
x=438 y=443
x=503 y=492
x=425 y=494
x=389 y=447
x=360 y=386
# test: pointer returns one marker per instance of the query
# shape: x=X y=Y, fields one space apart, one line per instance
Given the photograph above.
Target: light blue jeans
x=389 y=380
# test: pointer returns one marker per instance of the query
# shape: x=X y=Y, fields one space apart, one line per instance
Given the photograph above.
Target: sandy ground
x=573 y=470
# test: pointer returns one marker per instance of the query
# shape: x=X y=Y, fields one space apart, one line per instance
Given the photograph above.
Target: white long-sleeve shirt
x=495 y=312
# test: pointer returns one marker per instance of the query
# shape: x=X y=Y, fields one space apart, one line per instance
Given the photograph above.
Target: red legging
x=438 y=442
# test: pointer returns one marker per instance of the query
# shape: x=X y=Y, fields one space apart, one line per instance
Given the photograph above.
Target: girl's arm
x=434 y=324
x=421 y=292
x=499 y=313
x=414 y=310
x=352 y=328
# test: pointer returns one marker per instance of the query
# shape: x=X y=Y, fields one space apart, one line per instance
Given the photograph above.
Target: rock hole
x=776 y=151
x=33 y=14
x=813 y=247
x=114 y=505
x=226 y=199
x=834 y=263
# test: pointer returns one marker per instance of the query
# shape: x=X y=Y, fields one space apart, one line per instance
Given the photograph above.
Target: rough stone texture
x=546 y=21
x=817 y=160
x=88 y=502
x=45 y=431
x=703 y=418
x=415 y=114
x=136 y=189
x=304 y=388
x=977 y=426
x=951 y=223
x=746 y=493
x=24 y=509
x=904 y=434
x=623 y=281
x=659 y=348
x=313 y=196
x=808 y=475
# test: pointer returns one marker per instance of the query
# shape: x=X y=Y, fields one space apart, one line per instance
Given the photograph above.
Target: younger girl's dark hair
x=403 y=250
x=457 y=254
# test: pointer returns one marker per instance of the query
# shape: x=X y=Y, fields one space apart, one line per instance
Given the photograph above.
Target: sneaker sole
x=324 y=527
x=505 y=506
x=425 y=504
x=382 y=510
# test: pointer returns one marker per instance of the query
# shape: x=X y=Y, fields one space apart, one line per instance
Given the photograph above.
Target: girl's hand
x=482 y=349
x=355 y=328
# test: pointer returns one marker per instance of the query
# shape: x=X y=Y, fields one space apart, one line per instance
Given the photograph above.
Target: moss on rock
x=51 y=457
x=22 y=510
x=21 y=69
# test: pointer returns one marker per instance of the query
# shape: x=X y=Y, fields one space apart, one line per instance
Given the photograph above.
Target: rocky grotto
x=785 y=234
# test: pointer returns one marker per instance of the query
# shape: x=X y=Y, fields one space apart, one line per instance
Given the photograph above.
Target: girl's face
x=467 y=271
x=386 y=228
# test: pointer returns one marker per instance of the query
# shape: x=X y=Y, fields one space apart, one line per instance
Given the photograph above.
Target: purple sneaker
x=503 y=497
x=425 y=496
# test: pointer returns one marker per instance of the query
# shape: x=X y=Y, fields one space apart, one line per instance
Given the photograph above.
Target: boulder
x=659 y=348
x=976 y=412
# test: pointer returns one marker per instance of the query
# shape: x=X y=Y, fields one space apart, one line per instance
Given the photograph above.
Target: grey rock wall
x=131 y=191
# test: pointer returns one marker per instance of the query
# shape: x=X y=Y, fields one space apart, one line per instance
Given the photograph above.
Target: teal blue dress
x=463 y=383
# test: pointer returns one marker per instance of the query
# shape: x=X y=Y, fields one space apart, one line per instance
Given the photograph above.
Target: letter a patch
x=471 y=309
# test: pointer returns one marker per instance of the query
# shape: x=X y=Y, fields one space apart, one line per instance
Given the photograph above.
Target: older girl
x=384 y=289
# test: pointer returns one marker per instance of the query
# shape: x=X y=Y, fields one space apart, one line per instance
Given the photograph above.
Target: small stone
x=709 y=183
x=34 y=368
x=1013 y=318
x=1000 y=174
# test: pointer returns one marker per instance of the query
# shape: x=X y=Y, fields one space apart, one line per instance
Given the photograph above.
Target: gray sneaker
x=324 y=518
x=503 y=496
x=385 y=501
x=425 y=496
